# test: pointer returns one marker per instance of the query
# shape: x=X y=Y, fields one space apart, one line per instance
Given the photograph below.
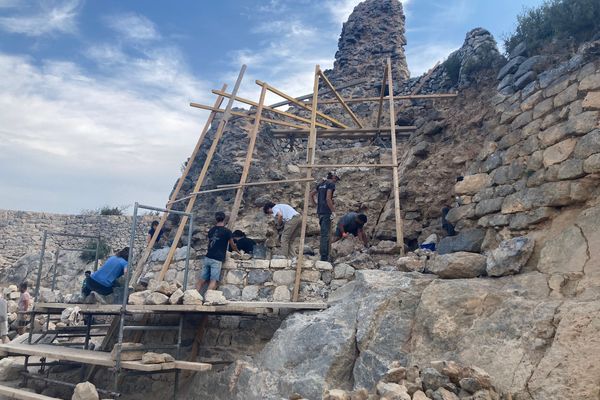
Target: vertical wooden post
x=202 y=176
x=310 y=160
x=396 y=180
x=140 y=264
x=253 y=134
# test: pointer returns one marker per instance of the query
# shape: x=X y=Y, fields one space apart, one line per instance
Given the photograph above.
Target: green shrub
x=89 y=256
x=106 y=210
x=452 y=67
x=577 y=20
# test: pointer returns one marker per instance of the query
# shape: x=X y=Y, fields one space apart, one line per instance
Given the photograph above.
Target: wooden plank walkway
x=7 y=392
x=90 y=357
x=251 y=307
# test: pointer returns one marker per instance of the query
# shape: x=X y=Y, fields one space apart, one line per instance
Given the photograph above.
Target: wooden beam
x=347 y=165
x=244 y=115
x=310 y=159
x=302 y=105
x=11 y=393
x=395 y=177
x=194 y=194
x=333 y=132
x=249 y=155
x=254 y=104
x=396 y=98
x=381 y=96
x=424 y=79
x=202 y=176
x=148 y=250
x=340 y=99
x=308 y=96
x=236 y=185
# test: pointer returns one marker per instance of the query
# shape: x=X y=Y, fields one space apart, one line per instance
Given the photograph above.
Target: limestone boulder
x=156 y=298
x=156 y=358
x=510 y=256
x=346 y=247
x=9 y=370
x=214 y=298
x=176 y=297
x=392 y=391
x=457 y=265
x=192 y=297
x=85 y=391
x=471 y=184
x=336 y=394
x=282 y=293
x=138 y=298
x=468 y=240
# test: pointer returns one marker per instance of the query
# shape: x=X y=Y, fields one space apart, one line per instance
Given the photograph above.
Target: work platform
x=234 y=307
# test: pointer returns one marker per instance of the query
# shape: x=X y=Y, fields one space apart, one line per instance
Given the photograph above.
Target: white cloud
x=71 y=139
x=51 y=18
x=340 y=10
x=422 y=57
x=134 y=27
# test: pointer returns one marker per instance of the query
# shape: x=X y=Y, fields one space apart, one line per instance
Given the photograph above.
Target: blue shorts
x=211 y=270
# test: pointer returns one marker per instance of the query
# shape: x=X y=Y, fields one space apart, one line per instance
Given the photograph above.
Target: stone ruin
x=516 y=159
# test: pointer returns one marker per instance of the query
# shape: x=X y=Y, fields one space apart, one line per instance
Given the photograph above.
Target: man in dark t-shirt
x=351 y=223
x=243 y=243
x=151 y=231
x=219 y=238
x=322 y=197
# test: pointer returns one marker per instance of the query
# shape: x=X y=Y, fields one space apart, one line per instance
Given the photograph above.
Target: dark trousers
x=325 y=223
x=91 y=285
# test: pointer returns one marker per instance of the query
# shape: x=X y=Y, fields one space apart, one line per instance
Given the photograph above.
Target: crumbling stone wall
x=542 y=152
x=22 y=231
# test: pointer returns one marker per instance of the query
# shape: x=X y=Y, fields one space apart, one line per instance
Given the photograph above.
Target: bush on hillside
x=561 y=20
x=106 y=210
x=452 y=67
x=89 y=256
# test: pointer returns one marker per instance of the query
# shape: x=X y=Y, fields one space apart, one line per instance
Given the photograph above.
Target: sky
x=94 y=94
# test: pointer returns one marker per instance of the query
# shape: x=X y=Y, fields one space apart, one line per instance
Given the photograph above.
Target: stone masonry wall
x=543 y=150
x=22 y=231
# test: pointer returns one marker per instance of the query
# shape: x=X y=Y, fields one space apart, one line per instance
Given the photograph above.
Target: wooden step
x=91 y=357
x=14 y=393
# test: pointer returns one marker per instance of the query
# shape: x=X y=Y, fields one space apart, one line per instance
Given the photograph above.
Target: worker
x=351 y=223
x=322 y=198
x=23 y=308
x=289 y=220
x=219 y=238
x=104 y=280
x=151 y=231
x=3 y=320
x=242 y=242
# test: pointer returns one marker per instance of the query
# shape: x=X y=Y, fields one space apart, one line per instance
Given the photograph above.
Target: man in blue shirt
x=105 y=279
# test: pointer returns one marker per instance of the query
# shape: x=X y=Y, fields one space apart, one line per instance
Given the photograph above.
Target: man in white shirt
x=291 y=220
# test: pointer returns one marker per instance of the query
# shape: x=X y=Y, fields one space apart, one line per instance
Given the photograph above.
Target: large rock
x=156 y=298
x=569 y=368
x=471 y=184
x=214 y=297
x=9 y=370
x=457 y=265
x=156 y=358
x=139 y=298
x=468 y=240
x=129 y=351
x=176 y=297
x=85 y=391
x=192 y=297
x=510 y=256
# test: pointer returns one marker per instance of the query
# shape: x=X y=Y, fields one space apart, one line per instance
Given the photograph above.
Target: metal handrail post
x=55 y=269
x=130 y=263
x=37 y=283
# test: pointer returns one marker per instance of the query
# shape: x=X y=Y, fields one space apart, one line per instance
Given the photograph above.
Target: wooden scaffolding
x=319 y=125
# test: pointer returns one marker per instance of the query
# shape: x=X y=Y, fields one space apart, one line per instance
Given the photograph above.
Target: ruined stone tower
x=373 y=32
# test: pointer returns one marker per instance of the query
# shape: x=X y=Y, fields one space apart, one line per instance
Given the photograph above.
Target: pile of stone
x=11 y=295
x=441 y=380
x=520 y=70
x=163 y=293
x=507 y=259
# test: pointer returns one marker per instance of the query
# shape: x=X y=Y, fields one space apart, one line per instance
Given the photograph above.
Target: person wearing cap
x=322 y=198
x=290 y=220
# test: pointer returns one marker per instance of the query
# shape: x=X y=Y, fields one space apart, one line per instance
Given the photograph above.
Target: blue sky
x=94 y=94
